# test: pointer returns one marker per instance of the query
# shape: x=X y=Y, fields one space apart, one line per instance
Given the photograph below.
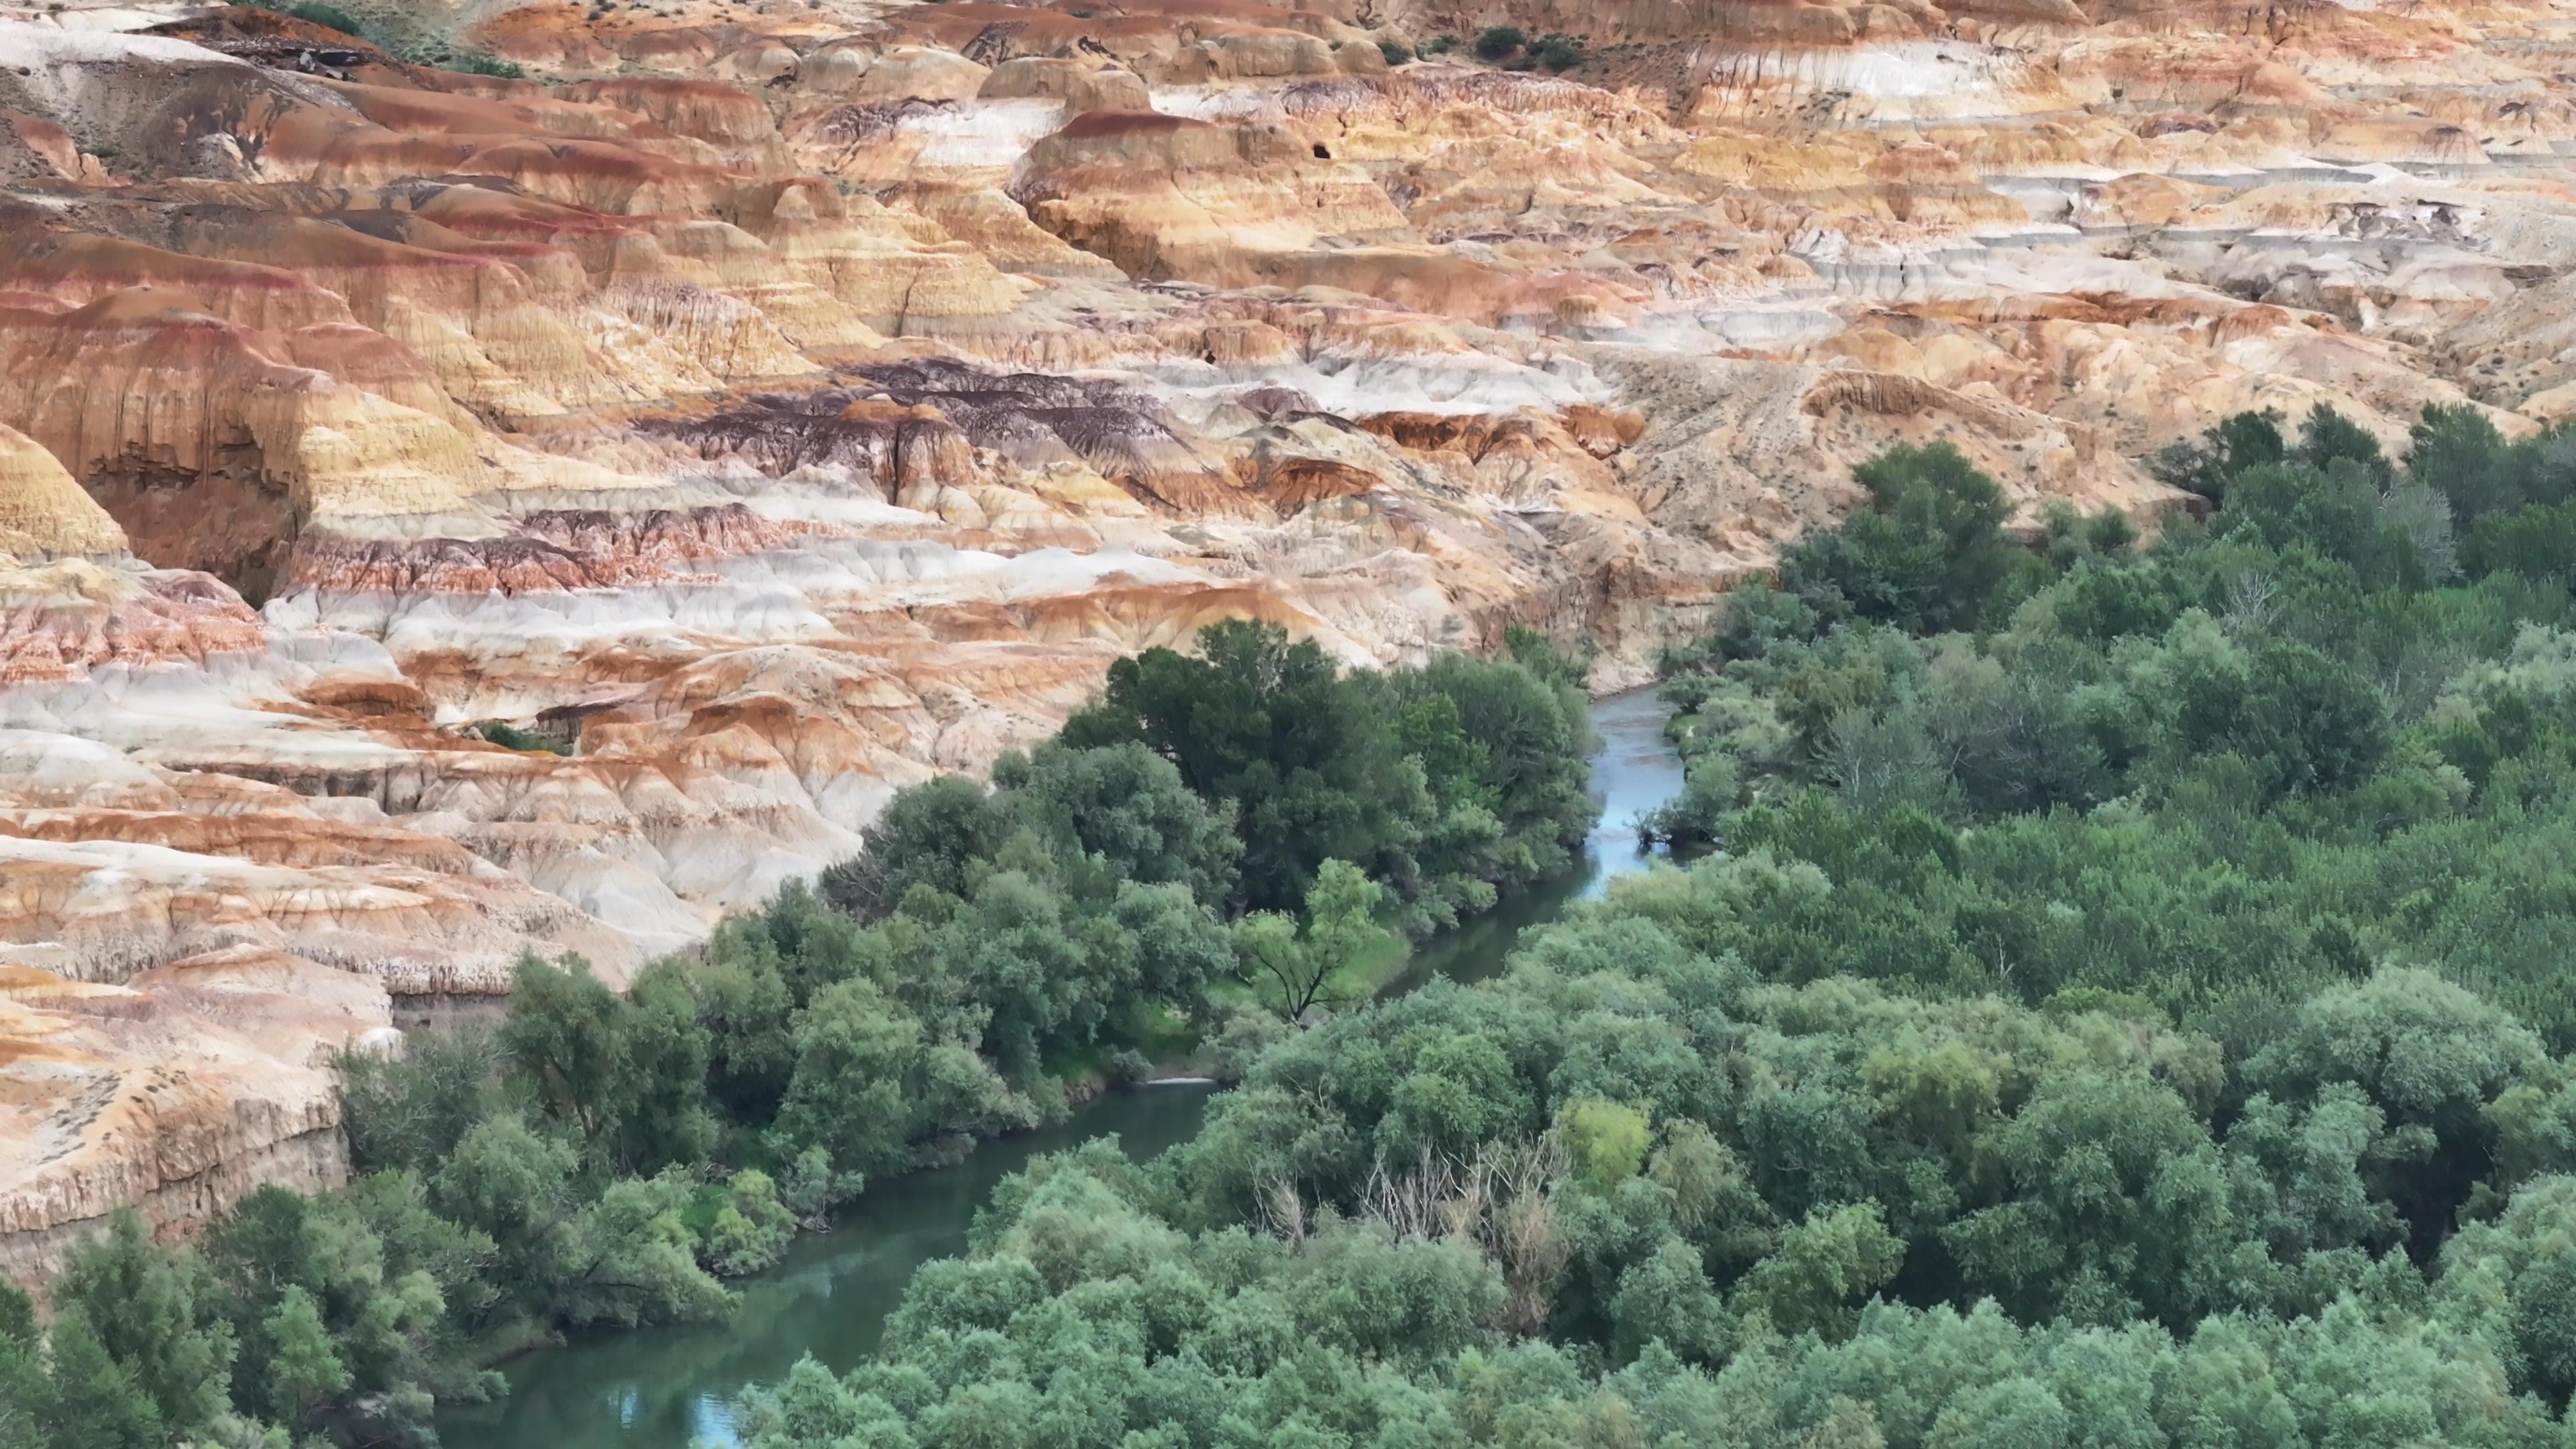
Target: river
x=665 y=1388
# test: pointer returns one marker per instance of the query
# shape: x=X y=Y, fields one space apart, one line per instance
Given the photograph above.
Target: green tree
x=95 y=1401
x=1667 y=1299
x=1130 y=807
x=1015 y=948
x=628 y=1259
x=810 y=1406
x=562 y=1034
x=410 y=1110
x=628 y=1072
x=1823 y=1267
x=1315 y=774
x=932 y=834
x=1522 y=737
x=2344 y=511
x=2238 y=442
x=158 y=1315
x=1173 y=947
x=751 y=1231
x=458 y=1263
x=2429 y=1057
x=514 y=1188
x=2308 y=723
x=2527 y=1259
x=623 y=1257
x=1605 y=1141
x=1928 y=555
x=749 y=1010
x=2329 y=437
x=660 y=1090
x=2457 y=450
x=855 y=1053
x=1452 y=764
x=2538 y=543
x=303 y=1367
x=811 y=1188
x=26 y=1388
x=1293 y=969
x=2107 y=1198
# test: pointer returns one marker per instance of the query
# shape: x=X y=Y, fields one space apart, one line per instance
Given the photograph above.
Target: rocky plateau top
x=764 y=406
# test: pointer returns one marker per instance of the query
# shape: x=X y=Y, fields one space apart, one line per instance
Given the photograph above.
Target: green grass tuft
x=476 y=62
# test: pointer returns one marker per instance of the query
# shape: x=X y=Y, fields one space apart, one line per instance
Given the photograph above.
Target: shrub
x=1557 y=52
x=1927 y=556
x=1605 y=1141
x=476 y=62
x=511 y=737
x=329 y=17
x=1498 y=41
x=751 y=1228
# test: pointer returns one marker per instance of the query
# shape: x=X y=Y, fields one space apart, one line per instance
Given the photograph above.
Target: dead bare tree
x=1521 y=1229
x=1283 y=1211
x=1532 y=1254
x=2253 y=605
x=1414 y=1203
x=1502 y=1202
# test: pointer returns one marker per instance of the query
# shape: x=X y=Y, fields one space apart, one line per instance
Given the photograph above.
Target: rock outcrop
x=764 y=407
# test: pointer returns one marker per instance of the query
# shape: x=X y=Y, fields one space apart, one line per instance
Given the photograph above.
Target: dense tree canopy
x=2258 y=758
x=1828 y=1214
x=1439 y=783
x=1927 y=554
x=2130 y=1008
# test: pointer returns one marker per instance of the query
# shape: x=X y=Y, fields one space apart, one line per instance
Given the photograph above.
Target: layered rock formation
x=765 y=406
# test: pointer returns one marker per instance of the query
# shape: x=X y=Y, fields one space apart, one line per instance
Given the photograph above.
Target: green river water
x=667 y=1388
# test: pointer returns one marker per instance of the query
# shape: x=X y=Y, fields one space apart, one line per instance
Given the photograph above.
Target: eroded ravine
x=670 y=1387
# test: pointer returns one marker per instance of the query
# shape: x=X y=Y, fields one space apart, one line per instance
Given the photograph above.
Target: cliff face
x=773 y=405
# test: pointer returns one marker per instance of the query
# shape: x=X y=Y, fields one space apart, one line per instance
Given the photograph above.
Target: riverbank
x=667 y=1388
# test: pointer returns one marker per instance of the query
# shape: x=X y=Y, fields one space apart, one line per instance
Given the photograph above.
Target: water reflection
x=670 y=1386
x=1634 y=771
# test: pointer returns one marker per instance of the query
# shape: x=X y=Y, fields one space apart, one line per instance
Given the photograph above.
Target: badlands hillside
x=762 y=406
